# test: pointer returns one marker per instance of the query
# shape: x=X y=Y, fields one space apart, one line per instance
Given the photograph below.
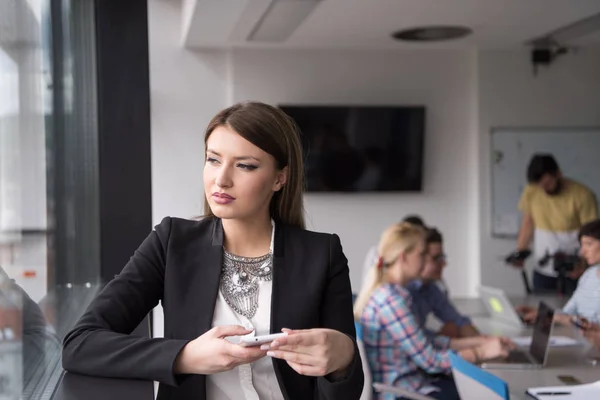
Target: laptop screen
x=498 y=305
x=541 y=332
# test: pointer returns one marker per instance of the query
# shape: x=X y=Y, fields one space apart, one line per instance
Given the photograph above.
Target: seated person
x=371 y=258
x=585 y=301
x=429 y=298
x=399 y=351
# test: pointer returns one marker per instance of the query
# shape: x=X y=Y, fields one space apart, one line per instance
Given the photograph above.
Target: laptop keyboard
x=518 y=357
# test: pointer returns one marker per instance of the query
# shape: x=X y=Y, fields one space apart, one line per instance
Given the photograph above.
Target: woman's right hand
x=495 y=347
x=211 y=353
x=563 y=319
x=527 y=313
x=593 y=336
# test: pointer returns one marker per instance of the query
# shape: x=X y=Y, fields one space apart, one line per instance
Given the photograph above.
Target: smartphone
x=568 y=380
x=251 y=341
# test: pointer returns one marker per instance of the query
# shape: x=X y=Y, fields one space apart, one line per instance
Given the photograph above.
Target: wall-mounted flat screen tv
x=361 y=148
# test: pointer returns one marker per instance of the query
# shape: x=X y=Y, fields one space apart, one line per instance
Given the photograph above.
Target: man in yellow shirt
x=553 y=209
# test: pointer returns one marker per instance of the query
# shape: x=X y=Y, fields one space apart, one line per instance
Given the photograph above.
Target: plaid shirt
x=398 y=350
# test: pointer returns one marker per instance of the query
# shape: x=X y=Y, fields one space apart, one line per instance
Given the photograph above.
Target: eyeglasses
x=439 y=258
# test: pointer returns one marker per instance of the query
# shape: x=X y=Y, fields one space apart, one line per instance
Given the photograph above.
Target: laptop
x=537 y=354
x=499 y=306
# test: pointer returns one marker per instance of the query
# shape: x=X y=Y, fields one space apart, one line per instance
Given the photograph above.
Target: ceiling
x=367 y=24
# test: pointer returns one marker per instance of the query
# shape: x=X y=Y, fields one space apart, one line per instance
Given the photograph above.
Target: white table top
x=561 y=361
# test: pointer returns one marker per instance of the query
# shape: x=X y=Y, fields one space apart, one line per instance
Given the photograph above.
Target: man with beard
x=553 y=210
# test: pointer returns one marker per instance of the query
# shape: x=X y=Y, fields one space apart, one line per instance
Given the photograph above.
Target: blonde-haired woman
x=398 y=350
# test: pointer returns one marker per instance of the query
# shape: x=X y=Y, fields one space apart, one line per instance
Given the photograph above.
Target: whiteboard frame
x=529 y=129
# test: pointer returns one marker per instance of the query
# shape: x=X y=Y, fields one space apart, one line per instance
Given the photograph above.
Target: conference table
x=571 y=360
x=561 y=361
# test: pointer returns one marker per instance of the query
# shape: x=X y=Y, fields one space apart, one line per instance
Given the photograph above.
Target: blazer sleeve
x=336 y=313
x=100 y=343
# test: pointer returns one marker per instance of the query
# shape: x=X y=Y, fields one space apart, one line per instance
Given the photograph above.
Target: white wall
x=566 y=94
x=186 y=90
x=445 y=82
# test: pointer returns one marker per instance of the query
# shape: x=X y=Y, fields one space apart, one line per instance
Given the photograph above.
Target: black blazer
x=179 y=264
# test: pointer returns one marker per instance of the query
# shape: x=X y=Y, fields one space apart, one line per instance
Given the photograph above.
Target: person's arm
x=336 y=313
x=465 y=343
x=527 y=225
x=526 y=232
x=445 y=311
x=449 y=329
x=593 y=336
x=571 y=307
x=467 y=331
x=563 y=319
x=100 y=343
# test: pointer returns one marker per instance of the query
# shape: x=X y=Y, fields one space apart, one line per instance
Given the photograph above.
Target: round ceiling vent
x=432 y=33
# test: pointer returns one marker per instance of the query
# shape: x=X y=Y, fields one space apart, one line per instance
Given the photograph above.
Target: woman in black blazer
x=248 y=267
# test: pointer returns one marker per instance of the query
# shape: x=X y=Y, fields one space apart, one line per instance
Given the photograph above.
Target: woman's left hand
x=314 y=352
x=593 y=336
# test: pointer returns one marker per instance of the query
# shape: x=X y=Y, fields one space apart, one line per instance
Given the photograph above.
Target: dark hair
x=540 y=165
x=591 y=229
x=433 y=236
x=271 y=130
x=415 y=220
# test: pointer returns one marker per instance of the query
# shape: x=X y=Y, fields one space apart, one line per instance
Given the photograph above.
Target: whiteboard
x=577 y=152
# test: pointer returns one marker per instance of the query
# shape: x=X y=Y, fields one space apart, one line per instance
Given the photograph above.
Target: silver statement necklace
x=241 y=277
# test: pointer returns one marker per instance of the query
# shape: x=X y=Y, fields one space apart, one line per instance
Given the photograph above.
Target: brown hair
x=434 y=236
x=591 y=229
x=399 y=238
x=274 y=132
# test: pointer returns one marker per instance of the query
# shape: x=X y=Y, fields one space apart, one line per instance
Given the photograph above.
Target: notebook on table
x=587 y=391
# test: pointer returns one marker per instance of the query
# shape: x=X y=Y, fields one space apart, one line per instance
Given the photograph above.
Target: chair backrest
x=369 y=386
x=367 y=389
x=473 y=383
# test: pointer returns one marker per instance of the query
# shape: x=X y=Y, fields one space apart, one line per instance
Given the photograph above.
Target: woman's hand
x=563 y=319
x=593 y=336
x=527 y=313
x=211 y=353
x=470 y=342
x=450 y=330
x=495 y=347
x=314 y=352
x=593 y=326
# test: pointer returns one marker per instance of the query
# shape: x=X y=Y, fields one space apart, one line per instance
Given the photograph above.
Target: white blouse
x=249 y=381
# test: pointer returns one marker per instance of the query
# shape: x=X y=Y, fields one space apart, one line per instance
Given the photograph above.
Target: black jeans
x=549 y=284
x=447 y=390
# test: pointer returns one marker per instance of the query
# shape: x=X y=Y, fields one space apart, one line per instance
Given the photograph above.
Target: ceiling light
x=432 y=33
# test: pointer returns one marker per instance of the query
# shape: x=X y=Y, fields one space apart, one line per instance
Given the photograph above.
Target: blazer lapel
x=282 y=282
x=207 y=278
x=279 y=289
